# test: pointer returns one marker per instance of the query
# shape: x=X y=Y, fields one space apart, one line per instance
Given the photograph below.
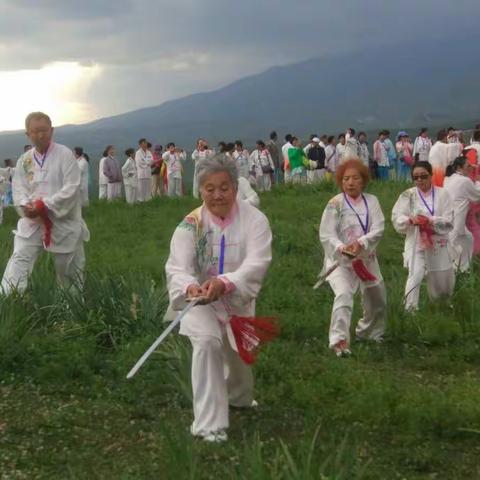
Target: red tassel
x=362 y=271
x=426 y=231
x=251 y=333
x=47 y=223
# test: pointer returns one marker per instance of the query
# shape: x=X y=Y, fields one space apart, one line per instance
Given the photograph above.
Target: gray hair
x=218 y=163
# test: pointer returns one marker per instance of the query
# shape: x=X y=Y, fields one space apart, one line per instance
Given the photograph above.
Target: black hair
x=142 y=140
x=78 y=151
x=312 y=136
x=459 y=162
x=222 y=146
x=273 y=135
x=423 y=130
x=352 y=131
x=170 y=144
x=86 y=157
x=422 y=164
x=129 y=152
x=288 y=137
x=107 y=148
x=361 y=133
x=331 y=138
x=149 y=145
x=229 y=147
x=262 y=143
x=441 y=135
x=476 y=135
x=238 y=143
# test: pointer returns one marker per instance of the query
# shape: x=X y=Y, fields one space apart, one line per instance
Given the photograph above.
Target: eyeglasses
x=423 y=176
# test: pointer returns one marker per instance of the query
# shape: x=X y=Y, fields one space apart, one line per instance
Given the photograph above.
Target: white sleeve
x=62 y=202
x=401 y=212
x=473 y=192
x=328 y=229
x=20 y=190
x=443 y=223
x=180 y=268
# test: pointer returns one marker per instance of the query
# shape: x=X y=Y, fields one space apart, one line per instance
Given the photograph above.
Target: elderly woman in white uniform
x=220 y=252
x=462 y=190
x=424 y=214
x=353 y=223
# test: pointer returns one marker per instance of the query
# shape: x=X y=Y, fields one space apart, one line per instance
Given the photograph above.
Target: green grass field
x=408 y=408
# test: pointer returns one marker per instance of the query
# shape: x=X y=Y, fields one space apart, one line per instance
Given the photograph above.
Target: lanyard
x=221 y=260
x=40 y=161
x=363 y=225
x=431 y=210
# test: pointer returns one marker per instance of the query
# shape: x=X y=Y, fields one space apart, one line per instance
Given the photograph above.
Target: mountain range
x=431 y=84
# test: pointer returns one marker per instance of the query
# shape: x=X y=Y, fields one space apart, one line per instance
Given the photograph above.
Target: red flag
x=251 y=333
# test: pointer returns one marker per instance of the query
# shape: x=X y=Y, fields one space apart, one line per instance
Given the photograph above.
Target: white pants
x=462 y=250
x=439 y=283
x=264 y=183
x=287 y=176
x=345 y=284
x=174 y=187
x=130 y=193
x=2 y=205
x=102 y=191
x=298 y=179
x=69 y=267
x=219 y=378
x=316 y=176
x=114 y=191
x=144 y=191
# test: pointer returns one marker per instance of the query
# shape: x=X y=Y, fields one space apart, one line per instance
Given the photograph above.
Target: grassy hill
x=405 y=409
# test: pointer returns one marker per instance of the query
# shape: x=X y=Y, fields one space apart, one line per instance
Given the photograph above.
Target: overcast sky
x=137 y=53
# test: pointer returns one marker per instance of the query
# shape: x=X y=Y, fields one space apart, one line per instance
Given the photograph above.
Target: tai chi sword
x=323 y=277
x=162 y=337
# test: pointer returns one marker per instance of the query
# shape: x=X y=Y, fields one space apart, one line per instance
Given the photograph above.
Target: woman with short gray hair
x=220 y=254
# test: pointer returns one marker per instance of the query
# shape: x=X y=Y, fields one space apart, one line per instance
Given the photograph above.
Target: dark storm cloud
x=154 y=50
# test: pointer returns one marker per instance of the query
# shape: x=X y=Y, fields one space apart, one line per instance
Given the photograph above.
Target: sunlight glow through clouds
x=59 y=89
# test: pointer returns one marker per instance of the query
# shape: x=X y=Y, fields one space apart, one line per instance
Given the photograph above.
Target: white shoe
x=219 y=436
x=254 y=404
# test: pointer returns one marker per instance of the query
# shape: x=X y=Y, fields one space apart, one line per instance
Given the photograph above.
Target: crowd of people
x=220 y=252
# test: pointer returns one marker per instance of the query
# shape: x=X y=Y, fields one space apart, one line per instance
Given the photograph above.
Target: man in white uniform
x=83 y=165
x=143 y=161
x=172 y=160
x=46 y=182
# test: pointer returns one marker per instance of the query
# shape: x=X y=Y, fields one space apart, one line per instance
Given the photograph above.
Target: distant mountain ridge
x=368 y=90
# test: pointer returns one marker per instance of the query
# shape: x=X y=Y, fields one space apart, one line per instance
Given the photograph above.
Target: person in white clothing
x=201 y=153
x=46 y=192
x=353 y=223
x=220 y=253
x=129 y=174
x=341 y=148
x=172 y=160
x=143 y=162
x=424 y=214
x=240 y=155
x=247 y=193
x=102 y=180
x=352 y=145
x=83 y=165
x=285 y=148
x=422 y=146
x=363 y=153
x=462 y=191
x=441 y=155
x=261 y=166
x=330 y=158
x=4 y=186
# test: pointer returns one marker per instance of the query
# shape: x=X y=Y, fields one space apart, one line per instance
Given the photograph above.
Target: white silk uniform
x=435 y=262
x=258 y=160
x=219 y=376
x=247 y=193
x=130 y=180
x=422 y=146
x=173 y=161
x=143 y=162
x=83 y=165
x=242 y=162
x=57 y=183
x=197 y=157
x=102 y=180
x=340 y=226
x=462 y=191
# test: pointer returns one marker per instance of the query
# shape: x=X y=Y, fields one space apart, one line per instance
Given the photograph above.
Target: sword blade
x=161 y=338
